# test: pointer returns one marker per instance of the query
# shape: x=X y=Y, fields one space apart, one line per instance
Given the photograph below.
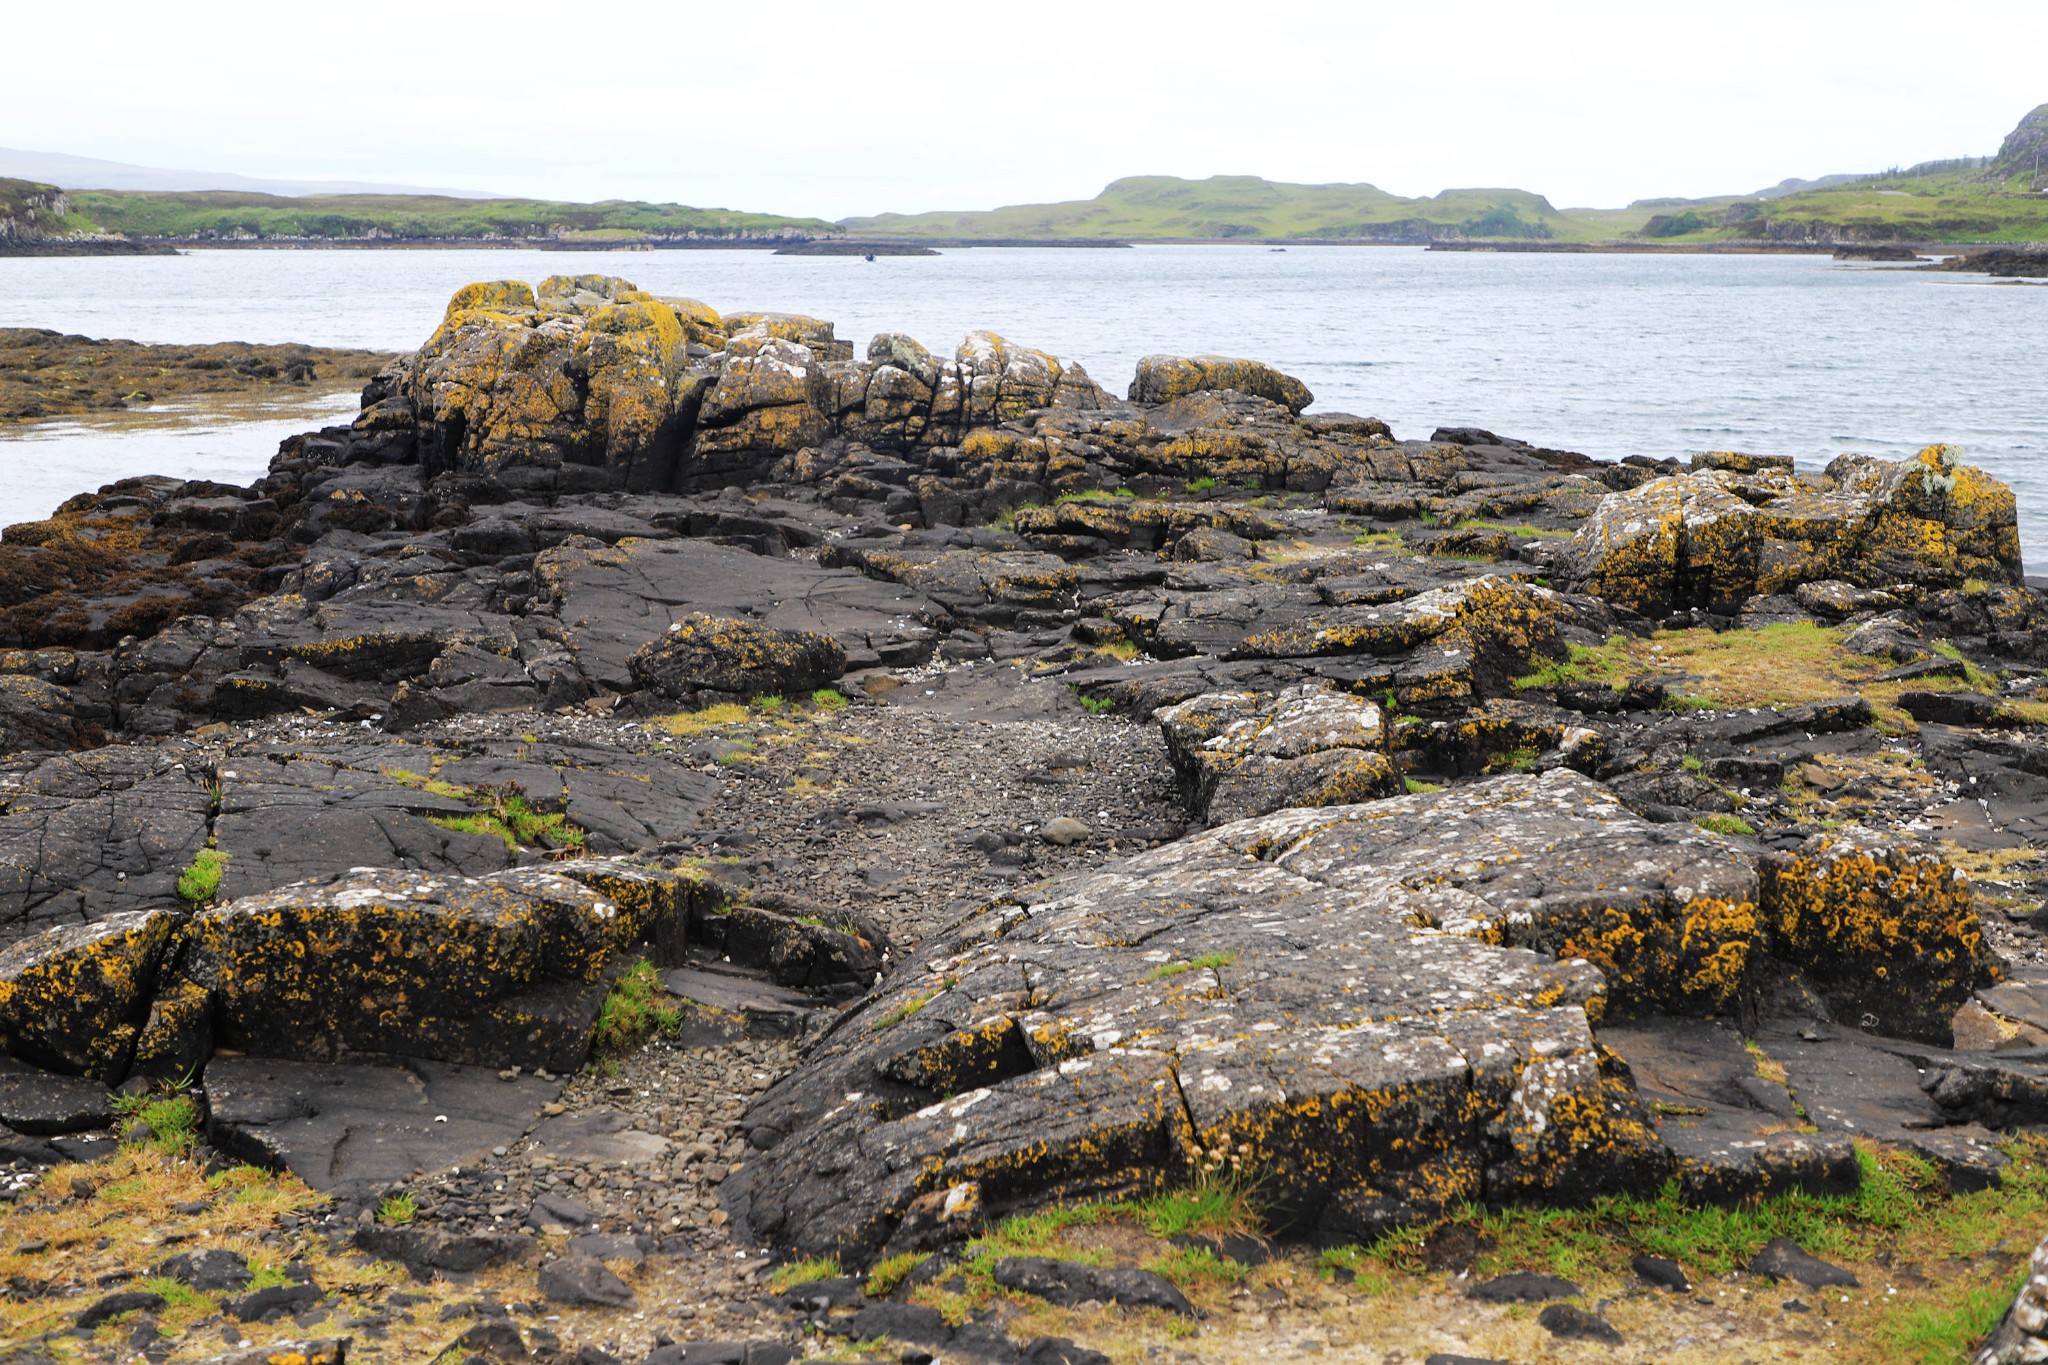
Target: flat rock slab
x=357 y=1128
x=83 y=836
x=42 y=1104
x=600 y=1137
x=1730 y=1128
x=611 y=601
x=1316 y=984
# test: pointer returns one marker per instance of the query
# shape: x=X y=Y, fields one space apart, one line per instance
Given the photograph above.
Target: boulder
x=703 y=657
x=505 y=970
x=1163 y=378
x=1243 y=754
x=75 y=998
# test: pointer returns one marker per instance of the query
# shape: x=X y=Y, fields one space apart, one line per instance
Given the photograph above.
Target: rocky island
x=666 y=840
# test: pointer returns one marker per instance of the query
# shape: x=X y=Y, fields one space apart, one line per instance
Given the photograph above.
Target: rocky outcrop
x=1163 y=378
x=589 y=383
x=504 y=970
x=1714 y=538
x=1360 y=1000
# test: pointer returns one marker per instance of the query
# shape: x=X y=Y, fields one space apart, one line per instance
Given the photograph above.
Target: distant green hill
x=220 y=215
x=1968 y=199
x=1226 y=207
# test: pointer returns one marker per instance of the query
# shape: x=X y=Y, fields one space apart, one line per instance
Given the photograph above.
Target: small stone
x=1784 y=1259
x=1565 y=1320
x=579 y=1279
x=1064 y=831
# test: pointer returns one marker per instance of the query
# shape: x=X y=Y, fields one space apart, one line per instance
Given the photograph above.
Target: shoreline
x=833 y=246
x=943 y=806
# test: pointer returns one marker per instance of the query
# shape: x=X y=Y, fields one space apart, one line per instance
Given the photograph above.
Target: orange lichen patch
x=1885 y=932
x=1694 y=960
x=74 y=998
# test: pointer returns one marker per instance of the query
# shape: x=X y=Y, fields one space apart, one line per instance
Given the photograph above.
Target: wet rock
x=1069 y=1282
x=1571 y=1323
x=1784 y=1259
x=1241 y=754
x=583 y=1280
x=701 y=656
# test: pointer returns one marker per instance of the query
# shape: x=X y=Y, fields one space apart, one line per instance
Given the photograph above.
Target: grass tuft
x=200 y=883
x=638 y=1007
x=793 y=1273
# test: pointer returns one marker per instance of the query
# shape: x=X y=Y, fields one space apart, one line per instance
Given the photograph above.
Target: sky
x=841 y=109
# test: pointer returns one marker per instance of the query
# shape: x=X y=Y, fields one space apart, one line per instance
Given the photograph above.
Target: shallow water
x=1611 y=355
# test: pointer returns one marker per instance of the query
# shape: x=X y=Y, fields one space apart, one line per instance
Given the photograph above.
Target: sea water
x=1611 y=355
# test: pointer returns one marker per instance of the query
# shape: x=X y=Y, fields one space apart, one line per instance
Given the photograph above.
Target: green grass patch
x=886 y=1276
x=1197 y=1270
x=199 y=883
x=1731 y=825
x=172 y=1120
x=1201 y=485
x=637 y=1008
x=1095 y=706
x=398 y=1209
x=768 y=703
x=1211 y=961
x=793 y=1273
x=828 y=699
x=909 y=1008
x=1417 y=787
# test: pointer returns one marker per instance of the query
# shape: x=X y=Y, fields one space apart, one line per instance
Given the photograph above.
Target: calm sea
x=1611 y=355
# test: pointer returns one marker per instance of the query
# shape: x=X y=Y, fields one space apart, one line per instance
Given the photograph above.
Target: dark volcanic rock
x=1573 y=1323
x=1523 y=1287
x=44 y=1105
x=1784 y=1259
x=356 y=1129
x=706 y=656
x=583 y=1280
x=1069 y=1282
x=1093 y=1033
x=209 y=1271
x=507 y=970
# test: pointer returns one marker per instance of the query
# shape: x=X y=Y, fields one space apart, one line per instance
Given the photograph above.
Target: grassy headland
x=1233 y=207
x=221 y=216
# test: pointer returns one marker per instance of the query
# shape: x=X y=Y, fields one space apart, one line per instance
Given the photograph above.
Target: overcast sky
x=841 y=109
